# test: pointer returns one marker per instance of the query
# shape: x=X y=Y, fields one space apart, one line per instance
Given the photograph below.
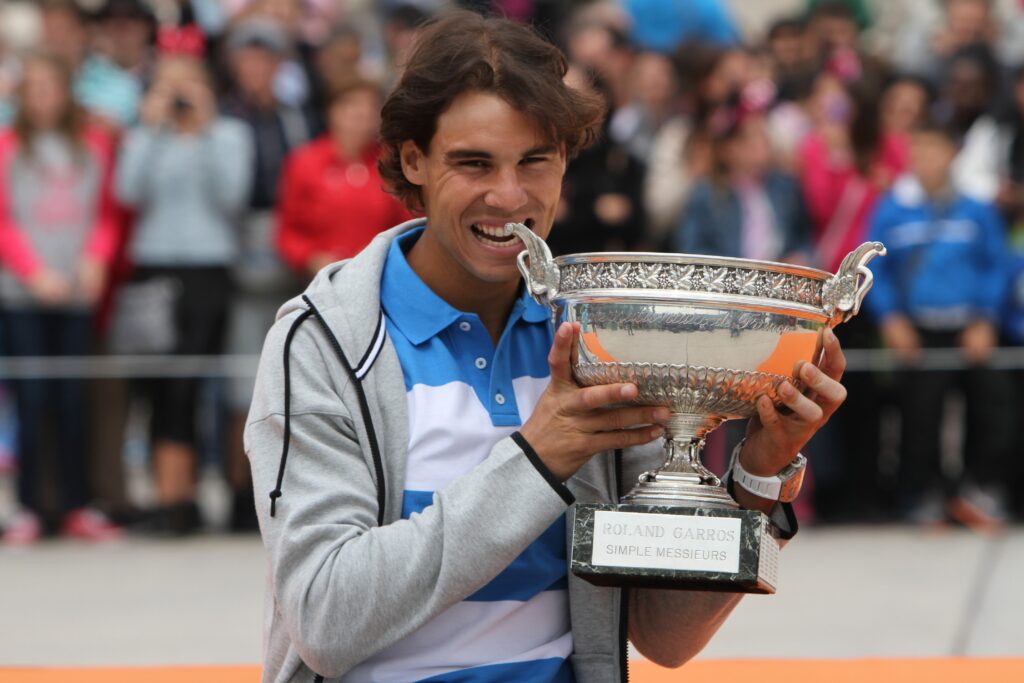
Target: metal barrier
x=126 y=367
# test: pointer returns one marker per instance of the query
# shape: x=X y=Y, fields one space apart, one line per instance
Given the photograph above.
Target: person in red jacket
x=332 y=201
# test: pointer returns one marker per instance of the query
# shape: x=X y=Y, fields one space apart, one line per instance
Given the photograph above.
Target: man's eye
x=534 y=160
x=473 y=163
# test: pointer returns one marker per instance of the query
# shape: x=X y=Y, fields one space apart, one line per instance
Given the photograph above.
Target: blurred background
x=171 y=171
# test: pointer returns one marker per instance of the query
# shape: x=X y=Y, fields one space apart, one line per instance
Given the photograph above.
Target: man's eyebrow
x=541 y=151
x=457 y=154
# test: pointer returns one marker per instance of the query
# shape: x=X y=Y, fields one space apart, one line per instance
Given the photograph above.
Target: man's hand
x=570 y=424
x=977 y=342
x=774 y=438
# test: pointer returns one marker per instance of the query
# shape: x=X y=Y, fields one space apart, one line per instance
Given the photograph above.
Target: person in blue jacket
x=942 y=286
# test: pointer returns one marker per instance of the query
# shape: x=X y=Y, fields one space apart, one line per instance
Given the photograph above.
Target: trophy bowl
x=703 y=336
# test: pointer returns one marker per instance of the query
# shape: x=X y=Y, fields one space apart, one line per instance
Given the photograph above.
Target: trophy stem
x=683 y=480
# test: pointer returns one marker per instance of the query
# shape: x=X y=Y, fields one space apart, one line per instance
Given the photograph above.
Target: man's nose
x=506 y=193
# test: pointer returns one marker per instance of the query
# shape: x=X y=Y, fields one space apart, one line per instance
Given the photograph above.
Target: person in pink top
x=58 y=228
x=845 y=164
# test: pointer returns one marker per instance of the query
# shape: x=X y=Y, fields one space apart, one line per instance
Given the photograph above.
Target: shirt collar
x=420 y=313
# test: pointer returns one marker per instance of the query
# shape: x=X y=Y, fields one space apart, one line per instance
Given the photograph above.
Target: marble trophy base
x=662 y=546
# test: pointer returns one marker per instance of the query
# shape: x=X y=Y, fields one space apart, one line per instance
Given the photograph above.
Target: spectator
x=746 y=208
x=337 y=62
x=904 y=104
x=332 y=201
x=1011 y=191
x=186 y=171
x=845 y=163
x=662 y=25
x=926 y=48
x=108 y=93
x=56 y=242
x=792 y=54
x=966 y=108
x=601 y=207
x=257 y=48
x=126 y=34
x=680 y=153
x=942 y=285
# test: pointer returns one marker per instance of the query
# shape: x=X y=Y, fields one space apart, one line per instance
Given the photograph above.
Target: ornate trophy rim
x=694 y=260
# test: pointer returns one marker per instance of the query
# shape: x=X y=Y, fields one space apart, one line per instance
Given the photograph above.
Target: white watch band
x=783 y=486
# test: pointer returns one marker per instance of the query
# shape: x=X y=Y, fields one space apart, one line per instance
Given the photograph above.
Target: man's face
x=487 y=165
x=254 y=69
x=968 y=20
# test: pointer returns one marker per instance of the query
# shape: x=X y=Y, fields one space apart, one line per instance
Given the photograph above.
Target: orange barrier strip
x=834 y=671
x=700 y=671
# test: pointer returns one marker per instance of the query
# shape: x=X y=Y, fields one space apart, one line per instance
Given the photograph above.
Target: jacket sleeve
x=135 y=179
x=995 y=267
x=344 y=587
x=227 y=164
x=16 y=253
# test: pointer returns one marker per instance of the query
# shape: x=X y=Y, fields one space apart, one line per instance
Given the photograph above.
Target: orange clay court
x=701 y=671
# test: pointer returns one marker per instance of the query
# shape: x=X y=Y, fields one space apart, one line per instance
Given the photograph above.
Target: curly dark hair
x=463 y=52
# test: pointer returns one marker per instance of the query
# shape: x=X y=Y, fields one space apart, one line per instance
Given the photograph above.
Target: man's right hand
x=571 y=423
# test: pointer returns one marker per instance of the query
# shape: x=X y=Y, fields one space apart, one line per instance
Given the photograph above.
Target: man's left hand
x=775 y=437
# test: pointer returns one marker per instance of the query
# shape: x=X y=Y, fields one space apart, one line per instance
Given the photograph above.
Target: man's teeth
x=485 y=233
x=492 y=230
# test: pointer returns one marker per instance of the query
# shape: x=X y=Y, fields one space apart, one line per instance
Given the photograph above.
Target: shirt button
x=499 y=399
x=481 y=363
x=464 y=326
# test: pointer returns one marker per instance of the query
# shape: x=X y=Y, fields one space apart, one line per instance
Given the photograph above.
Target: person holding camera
x=186 y=171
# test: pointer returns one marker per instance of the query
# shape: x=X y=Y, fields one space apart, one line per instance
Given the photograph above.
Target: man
x=419 y=459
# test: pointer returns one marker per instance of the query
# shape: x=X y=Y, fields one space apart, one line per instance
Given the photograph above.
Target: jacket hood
x=347 y=292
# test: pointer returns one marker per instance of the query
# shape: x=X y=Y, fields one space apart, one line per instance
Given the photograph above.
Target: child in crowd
x=57 y=238
x=746 y=207
x=942 y=285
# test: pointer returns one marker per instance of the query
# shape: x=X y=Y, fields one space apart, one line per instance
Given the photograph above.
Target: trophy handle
x=536 y=264
x=843 y=294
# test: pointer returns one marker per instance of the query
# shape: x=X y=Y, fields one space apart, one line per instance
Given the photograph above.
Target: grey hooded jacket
x=346 y=576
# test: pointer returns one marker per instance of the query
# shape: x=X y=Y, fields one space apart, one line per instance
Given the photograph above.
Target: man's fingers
x=803 y=408
x=823 y=388
x=625 y=438
x=833 y=361
x=626 y=418
x=561 y=353
x=592 y=398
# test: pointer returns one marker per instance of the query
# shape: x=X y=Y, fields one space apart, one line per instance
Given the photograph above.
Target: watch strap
x=784 y=486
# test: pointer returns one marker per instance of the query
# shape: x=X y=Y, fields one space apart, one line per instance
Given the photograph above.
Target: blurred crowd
x=171 y=171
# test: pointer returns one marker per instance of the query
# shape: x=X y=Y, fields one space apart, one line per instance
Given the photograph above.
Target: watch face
x=791 y=487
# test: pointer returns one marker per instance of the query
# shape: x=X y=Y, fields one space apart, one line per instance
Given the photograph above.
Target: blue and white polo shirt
x=464 y=396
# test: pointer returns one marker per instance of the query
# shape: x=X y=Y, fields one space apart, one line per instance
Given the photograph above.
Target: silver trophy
x=705 y=337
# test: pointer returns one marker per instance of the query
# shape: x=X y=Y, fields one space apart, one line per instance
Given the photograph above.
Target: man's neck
x=491 y=301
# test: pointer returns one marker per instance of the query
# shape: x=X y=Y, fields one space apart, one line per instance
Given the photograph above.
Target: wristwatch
x=783 y=487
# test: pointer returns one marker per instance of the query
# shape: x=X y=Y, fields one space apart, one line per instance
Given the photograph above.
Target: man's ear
x=413 y=163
